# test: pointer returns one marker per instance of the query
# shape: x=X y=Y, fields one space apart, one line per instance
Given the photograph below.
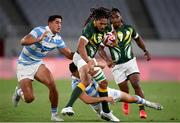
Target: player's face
x=55 y=25
x=116 y=19
x=101 y=23
x=76 y=74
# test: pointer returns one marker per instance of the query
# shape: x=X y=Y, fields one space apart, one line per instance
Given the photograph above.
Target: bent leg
x=80 y=87
x=45 y=77
x=135 y=81
x=125 y=97
x=27 y=89
x=123 y=86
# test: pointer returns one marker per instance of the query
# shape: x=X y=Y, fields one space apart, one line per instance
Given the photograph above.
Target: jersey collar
x=48 y=29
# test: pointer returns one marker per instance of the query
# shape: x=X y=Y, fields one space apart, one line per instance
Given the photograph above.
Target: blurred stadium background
x=156 y=20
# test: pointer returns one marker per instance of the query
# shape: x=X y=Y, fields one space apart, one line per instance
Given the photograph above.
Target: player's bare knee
x=132 y=99
x=123 y=87
x=103 y=84
x=29 y=98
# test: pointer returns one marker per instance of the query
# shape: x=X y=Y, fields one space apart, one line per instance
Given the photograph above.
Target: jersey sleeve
x=36 y=32
x=61 y=44
x=74 y=83
x=135 y=35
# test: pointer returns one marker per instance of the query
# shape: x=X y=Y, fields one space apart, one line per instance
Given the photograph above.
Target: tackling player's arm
x=104 y=56
x=29 y=39
x=90 y=100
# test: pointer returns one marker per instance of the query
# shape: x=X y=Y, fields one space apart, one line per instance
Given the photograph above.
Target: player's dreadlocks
x=98 y=13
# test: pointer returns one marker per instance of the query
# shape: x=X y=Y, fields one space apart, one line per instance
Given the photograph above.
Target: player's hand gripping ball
x=110 y=39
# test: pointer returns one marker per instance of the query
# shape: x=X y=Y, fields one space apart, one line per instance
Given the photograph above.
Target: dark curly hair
x=98 y=13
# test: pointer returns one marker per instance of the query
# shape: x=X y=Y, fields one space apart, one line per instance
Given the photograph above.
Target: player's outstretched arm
x=29 y=39
x=104 y=56
x=67 y=53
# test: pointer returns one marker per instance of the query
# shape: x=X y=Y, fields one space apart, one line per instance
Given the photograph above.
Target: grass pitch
x=166 y=93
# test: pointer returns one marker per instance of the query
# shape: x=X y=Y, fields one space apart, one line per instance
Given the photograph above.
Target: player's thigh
x=134 y=78
x=44 y=76
x=123 y=86
x=27 y=71
x=26 y=86
x=84 y=76
x=132 y=70
x=78 y=61
x=115 y=94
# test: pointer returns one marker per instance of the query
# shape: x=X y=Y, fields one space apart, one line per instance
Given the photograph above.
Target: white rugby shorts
x=122 y=71
x=114 y=93
x=78 y=61
x=27 y=71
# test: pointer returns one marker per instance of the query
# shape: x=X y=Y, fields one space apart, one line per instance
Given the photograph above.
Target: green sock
x=75 y=94
x=105 y=106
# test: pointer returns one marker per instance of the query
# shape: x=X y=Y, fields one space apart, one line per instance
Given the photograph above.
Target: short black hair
x=53 y=17
x=115 y=10
x=72 y=67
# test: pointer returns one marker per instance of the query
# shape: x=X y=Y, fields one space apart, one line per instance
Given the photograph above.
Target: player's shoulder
x=89 y=27
x=59 y=39
x=58 y=36
x=128 y=26
x=39 y=28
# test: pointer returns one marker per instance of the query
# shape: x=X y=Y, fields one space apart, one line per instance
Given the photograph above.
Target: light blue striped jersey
x=34 y=53
x=91 y=90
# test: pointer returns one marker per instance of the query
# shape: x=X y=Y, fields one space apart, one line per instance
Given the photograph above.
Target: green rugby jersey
x=122 y=52
x=95 y=38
